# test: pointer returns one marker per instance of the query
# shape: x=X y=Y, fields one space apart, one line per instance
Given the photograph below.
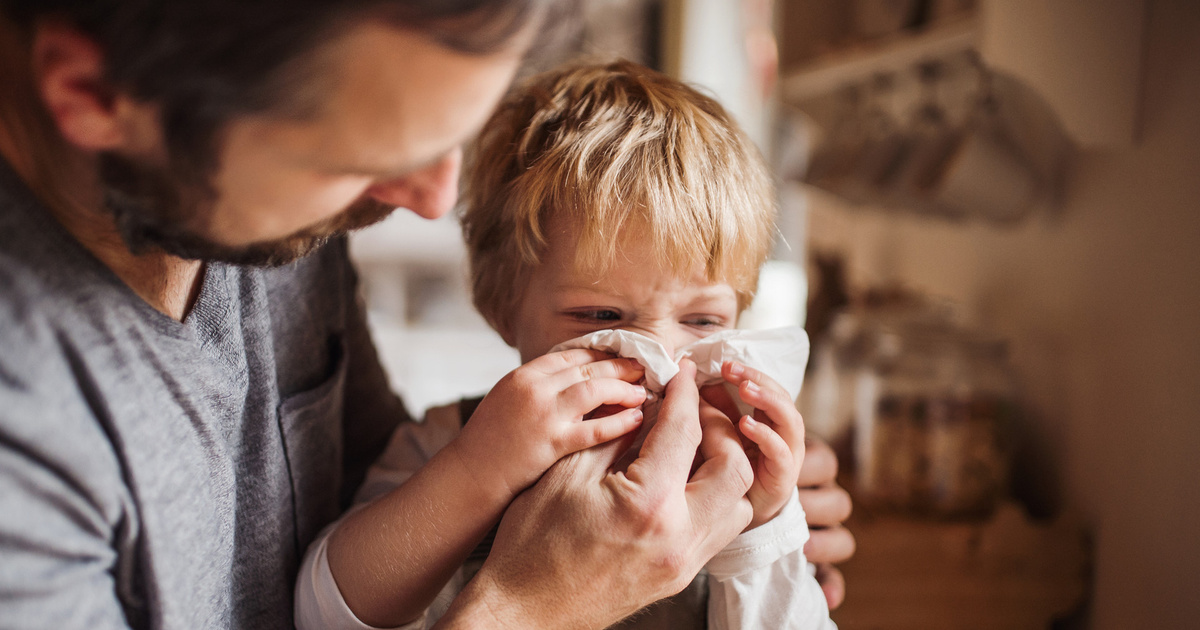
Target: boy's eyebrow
x=710 y=292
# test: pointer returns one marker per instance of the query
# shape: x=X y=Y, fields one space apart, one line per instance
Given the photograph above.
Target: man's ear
x=68 y=74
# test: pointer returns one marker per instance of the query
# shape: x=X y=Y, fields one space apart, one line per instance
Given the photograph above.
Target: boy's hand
x=774 y=436
x=536 y=415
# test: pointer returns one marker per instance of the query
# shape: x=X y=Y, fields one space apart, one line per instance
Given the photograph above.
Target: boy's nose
x=429 y=192
x=669 y=339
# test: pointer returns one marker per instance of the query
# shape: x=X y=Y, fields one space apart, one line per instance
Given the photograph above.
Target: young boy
x=601 y=197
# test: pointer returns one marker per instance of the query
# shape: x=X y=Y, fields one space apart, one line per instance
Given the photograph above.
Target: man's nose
x=429 y=192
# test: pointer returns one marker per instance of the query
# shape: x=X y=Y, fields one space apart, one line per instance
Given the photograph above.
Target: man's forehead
x=395 y=100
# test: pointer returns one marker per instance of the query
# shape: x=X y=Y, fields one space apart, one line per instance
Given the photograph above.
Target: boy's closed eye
x=606 y=315
x=705 y=322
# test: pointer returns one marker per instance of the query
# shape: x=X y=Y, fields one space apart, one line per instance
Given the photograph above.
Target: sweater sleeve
x=762 y=579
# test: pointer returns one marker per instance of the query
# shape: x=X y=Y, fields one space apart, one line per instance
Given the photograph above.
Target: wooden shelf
x=1082 y=59
x=1007 y=572
x=827 y=73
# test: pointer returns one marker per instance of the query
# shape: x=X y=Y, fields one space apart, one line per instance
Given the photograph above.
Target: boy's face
x=562 y=302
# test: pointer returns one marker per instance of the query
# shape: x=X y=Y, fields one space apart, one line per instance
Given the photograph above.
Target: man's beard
x=155 y=210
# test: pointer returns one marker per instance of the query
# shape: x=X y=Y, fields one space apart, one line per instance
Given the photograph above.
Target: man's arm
x=58 y=569
x=64 y=508
x=587 y=545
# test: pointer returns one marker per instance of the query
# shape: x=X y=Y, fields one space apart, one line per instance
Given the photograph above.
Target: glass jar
x=932 y=413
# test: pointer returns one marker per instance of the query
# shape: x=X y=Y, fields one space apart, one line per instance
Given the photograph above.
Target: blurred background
x=990 y=230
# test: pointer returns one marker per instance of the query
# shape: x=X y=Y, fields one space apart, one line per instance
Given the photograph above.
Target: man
x=176 y=424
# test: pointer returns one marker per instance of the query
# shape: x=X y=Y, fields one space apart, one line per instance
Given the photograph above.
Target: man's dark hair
x=206 y=62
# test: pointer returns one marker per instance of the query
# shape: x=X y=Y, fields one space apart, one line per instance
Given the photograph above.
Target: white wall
x=1102 y=300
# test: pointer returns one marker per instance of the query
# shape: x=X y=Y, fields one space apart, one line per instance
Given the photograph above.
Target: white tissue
x=780 y=353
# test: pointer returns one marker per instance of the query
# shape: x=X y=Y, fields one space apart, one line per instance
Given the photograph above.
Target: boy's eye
x=705 y=321
x=597 y=315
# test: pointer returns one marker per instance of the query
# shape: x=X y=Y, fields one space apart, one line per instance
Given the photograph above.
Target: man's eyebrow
x=388 y=172
x=391 y=172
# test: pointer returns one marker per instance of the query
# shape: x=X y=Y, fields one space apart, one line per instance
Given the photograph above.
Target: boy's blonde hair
x=604 y=147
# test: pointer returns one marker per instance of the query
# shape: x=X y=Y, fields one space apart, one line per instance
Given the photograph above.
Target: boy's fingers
x=589 y=433
x=778 y=456
x=736 y=372
x=620 y=368
x=554 y=362
x=776 y=408
x=584 y=396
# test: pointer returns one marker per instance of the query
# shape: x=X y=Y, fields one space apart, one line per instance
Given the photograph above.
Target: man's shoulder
x=28 y=307
x=44 y=411
x=48 y=283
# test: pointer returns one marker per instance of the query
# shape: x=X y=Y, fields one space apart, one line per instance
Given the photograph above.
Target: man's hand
x=535 y=416
x=588 y=545
x=825 y=505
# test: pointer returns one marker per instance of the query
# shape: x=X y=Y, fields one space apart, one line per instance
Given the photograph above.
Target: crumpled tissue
x=780 y=353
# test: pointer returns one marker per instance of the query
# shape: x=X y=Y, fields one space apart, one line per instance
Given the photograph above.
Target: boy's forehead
x=580 y=255
x=581 y=262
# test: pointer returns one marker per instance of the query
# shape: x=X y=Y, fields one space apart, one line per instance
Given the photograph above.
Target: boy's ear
x=506 y=332
x=69 y=75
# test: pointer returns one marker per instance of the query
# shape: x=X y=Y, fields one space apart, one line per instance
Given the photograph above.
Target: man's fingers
x=825 y=506
x=833 y=584
x=719 y=397
x=829 y=544
x=718 y=434
x=666 y=456
x=820 y=464
x=716 y=491
x=725 y=474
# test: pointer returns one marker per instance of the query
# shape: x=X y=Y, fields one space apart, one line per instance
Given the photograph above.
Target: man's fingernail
x=736 y=369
